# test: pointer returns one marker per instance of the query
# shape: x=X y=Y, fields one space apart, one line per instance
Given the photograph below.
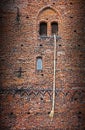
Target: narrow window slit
x=54 y=28
x=43 y=29
x=39 y=63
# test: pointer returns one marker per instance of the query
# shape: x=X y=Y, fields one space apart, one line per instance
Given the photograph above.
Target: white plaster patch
x=60 y=53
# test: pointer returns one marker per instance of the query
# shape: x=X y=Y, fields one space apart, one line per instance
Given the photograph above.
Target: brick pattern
x=26 y=96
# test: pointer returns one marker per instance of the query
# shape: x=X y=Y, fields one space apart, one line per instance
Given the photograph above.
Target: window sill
x=43 y=37
x=39 y=72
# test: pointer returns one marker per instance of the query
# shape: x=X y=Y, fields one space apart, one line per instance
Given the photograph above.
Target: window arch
x=43 y=29
x=54 y=28
x=39 y=63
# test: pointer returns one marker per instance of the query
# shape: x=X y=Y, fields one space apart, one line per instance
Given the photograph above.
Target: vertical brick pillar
x=48 y=29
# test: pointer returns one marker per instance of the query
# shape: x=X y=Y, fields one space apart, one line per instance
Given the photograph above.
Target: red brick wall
x=26 y=101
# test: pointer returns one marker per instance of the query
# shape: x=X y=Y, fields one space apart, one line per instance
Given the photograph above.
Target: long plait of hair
x=54 y=80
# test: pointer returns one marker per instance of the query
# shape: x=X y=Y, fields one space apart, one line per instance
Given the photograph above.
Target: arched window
x=43 y=29
x=39 y=63
x=54 y=28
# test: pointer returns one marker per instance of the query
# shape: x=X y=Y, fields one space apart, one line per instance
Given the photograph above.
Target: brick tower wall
x=26 y=93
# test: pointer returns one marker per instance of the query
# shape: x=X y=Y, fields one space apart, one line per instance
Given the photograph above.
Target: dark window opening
x=39 y=63
x=43 y=29
x=54 y=27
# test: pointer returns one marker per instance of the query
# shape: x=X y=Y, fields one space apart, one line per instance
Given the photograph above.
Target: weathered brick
x=26 y=97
